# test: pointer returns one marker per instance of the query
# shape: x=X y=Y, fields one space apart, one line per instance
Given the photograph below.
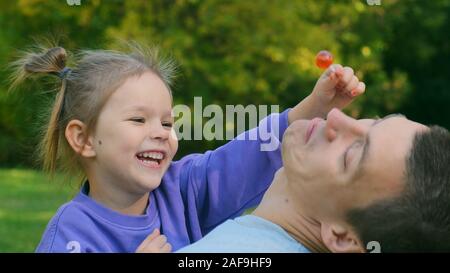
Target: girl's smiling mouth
x=151 y=158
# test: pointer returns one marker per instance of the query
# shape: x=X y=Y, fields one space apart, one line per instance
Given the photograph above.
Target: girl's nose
x=339 y=123
x=158 y=131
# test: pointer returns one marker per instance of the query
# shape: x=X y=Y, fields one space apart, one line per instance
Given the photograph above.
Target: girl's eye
x=167 y=124
x=138 y=120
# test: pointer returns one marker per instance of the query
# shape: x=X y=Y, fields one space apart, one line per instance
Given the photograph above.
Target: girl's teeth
x=152 y=155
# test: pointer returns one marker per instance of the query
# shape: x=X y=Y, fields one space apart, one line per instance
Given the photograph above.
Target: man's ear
x=76 y=135
x=340 y=239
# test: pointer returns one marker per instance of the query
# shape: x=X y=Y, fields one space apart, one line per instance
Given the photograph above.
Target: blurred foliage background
x=242 y=52
x=230 y=52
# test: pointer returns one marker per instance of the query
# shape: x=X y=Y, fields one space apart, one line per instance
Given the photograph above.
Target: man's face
x=341 y=163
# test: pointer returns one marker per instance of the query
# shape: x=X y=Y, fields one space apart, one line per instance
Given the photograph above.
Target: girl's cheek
x=173 y=141
x=175 y=147
x=173 y=135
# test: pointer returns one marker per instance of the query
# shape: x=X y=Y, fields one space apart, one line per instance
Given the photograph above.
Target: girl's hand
x=336 y=88
x=155 y=243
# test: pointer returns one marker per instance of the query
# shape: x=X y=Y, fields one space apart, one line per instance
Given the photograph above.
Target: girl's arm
x=221 y=184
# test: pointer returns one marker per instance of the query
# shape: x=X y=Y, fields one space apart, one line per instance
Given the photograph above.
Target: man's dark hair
x=419 y=219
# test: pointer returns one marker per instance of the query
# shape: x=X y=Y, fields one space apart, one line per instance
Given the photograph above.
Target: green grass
x=28 y=199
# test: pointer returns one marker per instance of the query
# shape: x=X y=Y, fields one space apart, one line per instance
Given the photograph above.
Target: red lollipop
x=324 y=59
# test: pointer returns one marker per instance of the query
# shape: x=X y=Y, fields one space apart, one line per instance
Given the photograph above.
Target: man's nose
x=339 y=123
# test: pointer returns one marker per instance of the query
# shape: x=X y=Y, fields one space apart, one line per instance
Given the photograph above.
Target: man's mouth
x=311 y=127
x=152 y=158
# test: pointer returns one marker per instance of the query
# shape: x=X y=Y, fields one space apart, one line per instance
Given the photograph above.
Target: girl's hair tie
x=63 y=73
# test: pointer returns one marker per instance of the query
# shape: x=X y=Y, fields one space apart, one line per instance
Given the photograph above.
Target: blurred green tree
x=242 y=52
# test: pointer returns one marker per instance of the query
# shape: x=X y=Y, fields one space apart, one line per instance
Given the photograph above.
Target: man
x=346 y=183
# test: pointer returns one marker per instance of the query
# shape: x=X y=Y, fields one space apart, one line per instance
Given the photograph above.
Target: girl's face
x=133 y=140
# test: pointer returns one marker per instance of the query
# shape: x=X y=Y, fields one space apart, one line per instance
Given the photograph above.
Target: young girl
x=112 y=121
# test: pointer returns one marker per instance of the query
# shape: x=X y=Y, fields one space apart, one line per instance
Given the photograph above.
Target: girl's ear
x=76 y=135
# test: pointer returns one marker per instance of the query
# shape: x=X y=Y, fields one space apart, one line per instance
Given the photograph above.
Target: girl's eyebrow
x=168 y=114
x=143 y=108
x=136 y=108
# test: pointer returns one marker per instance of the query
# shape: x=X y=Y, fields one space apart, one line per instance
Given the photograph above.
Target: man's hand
x=336 y=88
x=155 y=243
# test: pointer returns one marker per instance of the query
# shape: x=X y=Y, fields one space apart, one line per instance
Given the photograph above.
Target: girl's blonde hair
x=85 y=88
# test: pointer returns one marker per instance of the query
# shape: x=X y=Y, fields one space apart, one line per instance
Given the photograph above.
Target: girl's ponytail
x=48 y=62
x=31 y=64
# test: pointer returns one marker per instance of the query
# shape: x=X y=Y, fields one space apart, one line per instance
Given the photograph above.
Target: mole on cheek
x=99 y=142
